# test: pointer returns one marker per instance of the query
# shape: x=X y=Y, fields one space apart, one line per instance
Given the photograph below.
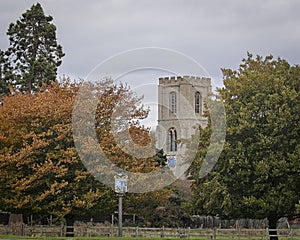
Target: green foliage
x=298 y=208
x=161 y=158
x=5 y=75
x=258 y=173
x=33 y=54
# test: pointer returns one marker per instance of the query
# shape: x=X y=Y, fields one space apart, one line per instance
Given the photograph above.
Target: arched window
x=198 y=103
x=173 y=139
x=173 y=102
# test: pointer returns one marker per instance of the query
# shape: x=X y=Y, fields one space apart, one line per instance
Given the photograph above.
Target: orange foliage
x=40 y=168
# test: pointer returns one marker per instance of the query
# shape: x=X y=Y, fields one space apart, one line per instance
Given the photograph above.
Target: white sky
x=216 y=33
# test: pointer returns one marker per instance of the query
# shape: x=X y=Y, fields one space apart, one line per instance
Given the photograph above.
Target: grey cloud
x=216 y=33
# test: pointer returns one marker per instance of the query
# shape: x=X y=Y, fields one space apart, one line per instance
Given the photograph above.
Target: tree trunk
x=273 y=229
x=70 y=226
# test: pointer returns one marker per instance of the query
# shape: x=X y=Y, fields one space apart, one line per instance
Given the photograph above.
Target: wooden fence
x=92 y=231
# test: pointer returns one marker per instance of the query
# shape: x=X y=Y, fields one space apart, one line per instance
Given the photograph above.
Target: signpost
x=171 y=162
x=120 y=189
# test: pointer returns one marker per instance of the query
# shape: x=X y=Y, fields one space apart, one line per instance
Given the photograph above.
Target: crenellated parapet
x=175 y=80
x=180 y=107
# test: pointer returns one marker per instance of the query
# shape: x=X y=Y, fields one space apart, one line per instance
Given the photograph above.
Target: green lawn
x=85 y=238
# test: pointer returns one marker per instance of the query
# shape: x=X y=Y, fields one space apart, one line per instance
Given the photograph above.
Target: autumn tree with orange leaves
x=41 y=172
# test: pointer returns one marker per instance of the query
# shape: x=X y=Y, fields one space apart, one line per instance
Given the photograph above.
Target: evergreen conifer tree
x=33 y=54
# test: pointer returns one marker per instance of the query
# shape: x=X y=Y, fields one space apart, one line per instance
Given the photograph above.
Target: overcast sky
x=215 y=33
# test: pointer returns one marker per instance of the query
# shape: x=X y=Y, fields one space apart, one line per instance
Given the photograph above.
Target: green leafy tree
x=258 y=173
x=161 y=158
x=5 y=75
x=298 y=208
x=34 y=54
x=3 y=84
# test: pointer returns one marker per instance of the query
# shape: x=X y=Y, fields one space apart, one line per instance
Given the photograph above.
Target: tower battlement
x=185 y=80
x=180 y=108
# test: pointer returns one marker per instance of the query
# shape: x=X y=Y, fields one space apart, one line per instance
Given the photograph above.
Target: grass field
x=108 y=238
x=4 y=237
x=88 y=238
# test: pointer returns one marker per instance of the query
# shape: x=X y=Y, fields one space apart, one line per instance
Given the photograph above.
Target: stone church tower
x=180 y=108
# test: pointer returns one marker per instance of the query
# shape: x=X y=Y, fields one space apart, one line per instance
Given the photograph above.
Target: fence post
x=239 y=233
x=189 y=232
x=22 y=230
x=111 y=230
x=62 y=230
x=137 y=231
x=162 y=234
x=267 y=233
x=215 y=233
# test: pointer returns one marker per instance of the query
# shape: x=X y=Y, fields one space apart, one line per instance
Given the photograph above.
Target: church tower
x=180 y=108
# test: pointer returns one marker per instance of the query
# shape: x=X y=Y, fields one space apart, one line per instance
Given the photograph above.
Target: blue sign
x=171 y=162
x=121 y=184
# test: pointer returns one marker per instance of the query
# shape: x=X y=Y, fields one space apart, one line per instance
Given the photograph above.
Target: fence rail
x=92 y=231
